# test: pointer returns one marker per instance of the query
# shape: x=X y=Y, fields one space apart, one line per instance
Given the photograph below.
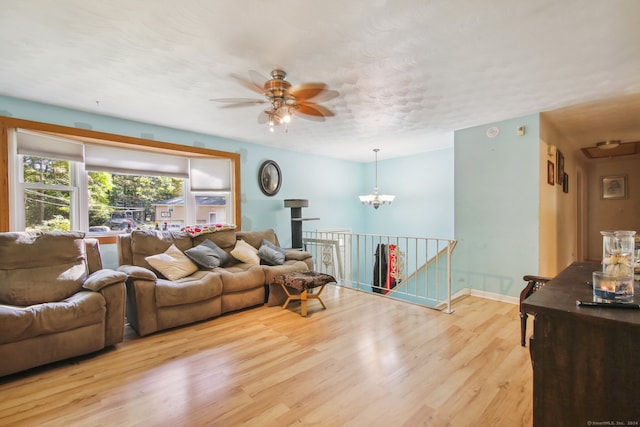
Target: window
x=125 y=188
x=120 y=202
x=48 y=190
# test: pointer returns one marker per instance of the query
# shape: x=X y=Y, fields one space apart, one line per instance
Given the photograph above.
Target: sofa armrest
x=139 y=273
x=297 y=255
x=103 y=278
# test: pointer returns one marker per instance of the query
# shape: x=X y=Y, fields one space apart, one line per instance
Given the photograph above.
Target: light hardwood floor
x=365 y=361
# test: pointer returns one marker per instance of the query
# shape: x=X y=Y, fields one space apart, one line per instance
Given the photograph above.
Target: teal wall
x=423 y=183
x=496 y=206
x=424 y=188
x=330 y=185
x=488 y=201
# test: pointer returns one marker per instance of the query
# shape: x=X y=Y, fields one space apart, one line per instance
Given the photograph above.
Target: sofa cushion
x=81 y=309
x=145 y=243
x=241 y=277
x=38 y=267
x=172 y=263
x=200 y=286
x=246 y=253
x=271 y=271
x=270 y=254
x=208 y=255
x=255 y=238
x=225 y=239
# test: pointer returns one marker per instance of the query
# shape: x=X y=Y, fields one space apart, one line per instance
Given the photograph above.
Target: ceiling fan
x=284 y=100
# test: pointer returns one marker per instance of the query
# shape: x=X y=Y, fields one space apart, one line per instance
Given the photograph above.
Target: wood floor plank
x=365 y=361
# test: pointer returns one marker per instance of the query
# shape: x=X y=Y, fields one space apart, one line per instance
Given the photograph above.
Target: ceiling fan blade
x=316 y=91
x=309 y=117
x=257 y=79
x=239 y=102
x=253 y=86
x=230 y=100
x=311 y=109
x=307 y=90
x=326 y=95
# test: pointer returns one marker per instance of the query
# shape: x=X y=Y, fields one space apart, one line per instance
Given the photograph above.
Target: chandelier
x=376 y=199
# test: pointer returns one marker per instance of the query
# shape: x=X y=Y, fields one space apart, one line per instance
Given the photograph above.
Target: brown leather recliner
x=56 y=300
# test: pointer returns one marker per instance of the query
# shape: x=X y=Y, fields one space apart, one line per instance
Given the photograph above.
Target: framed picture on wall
x=550 y=172
x=560 y=164
x=613 y=187
x=565 y=183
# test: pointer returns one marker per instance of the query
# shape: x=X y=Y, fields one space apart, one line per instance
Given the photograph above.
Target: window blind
x=99 y=158
x=43 y=145
x=210 y=174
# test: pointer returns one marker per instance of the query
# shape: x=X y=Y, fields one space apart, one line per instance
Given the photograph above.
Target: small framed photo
x=550 y=172
x=565 y=183
x=613 y=187
x=560 y=165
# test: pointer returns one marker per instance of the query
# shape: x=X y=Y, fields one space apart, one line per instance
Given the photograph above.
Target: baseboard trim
x=487 y=295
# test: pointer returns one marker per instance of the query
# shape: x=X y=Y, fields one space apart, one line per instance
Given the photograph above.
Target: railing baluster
x=352 y=260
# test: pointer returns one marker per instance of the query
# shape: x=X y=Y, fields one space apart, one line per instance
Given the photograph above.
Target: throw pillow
x=207 y=255
x=246 y=253
x=271 y=254
x=197 y=230
x=172 y=264
x=274 y=247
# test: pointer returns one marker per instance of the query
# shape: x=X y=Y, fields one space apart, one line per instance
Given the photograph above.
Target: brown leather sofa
x=154 y=302
x=56 y=300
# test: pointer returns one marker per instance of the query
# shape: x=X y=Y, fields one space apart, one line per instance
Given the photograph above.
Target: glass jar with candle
x=615 y=281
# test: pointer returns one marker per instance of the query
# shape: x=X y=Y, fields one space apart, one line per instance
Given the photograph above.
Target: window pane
x=46 y=171
x=211 y=209
x=120 y=202
x=47 y=210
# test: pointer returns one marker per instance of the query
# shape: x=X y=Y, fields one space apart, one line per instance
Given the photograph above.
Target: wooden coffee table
x=302 y=281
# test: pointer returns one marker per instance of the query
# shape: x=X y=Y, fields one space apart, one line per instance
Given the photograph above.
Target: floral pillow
x=196 y=230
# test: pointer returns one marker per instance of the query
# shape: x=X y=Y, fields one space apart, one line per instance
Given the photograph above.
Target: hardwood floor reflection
x=365 y=361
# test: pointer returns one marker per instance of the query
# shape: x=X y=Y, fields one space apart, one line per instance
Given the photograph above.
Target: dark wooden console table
x=586 y=361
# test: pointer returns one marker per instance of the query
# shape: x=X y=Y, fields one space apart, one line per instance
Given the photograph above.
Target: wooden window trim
x=109 y=139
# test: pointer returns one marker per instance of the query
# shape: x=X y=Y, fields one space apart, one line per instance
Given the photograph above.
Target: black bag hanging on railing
x=380 y=269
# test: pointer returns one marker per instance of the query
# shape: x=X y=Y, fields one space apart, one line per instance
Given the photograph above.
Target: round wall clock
x=270 y=178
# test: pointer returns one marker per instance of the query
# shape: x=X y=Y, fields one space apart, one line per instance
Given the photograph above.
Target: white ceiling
x=409 y=72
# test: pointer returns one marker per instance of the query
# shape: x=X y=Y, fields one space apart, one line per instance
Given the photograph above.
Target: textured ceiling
x=409 y=72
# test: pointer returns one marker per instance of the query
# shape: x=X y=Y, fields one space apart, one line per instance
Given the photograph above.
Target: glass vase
x=615 y=283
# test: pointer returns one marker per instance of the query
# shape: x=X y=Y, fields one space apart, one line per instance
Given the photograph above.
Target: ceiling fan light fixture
x=284 y=99
x=608 y=145
x=286 y=117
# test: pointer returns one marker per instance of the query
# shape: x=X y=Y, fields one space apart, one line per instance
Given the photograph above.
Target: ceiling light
x=376 y=199
x=608 y=145
x=286 y=117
